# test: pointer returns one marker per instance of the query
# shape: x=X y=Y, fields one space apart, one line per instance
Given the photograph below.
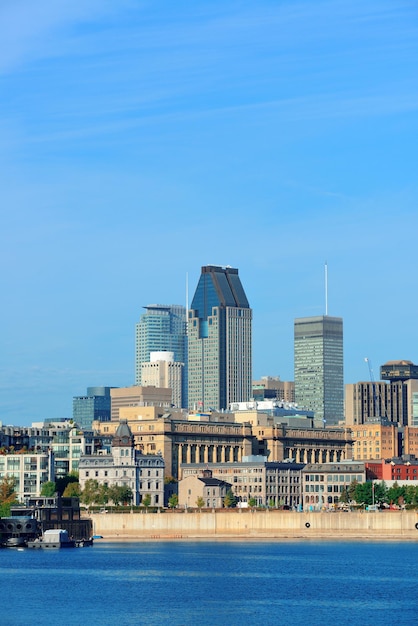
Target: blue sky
x=142 y=140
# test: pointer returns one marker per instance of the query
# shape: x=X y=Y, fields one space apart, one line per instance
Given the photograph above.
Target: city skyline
x=140 y=141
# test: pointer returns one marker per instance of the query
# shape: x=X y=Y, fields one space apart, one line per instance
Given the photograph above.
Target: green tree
x=351 y=490
x=252 y=502
x=91 y=492
x=200 y=503
x=119 y=494
x=48 y=489
x=229 y=500
x=7 y=495
x=146 y=500
x=173 y=501
x=344 y=496
x=72 y=490
x=63 y=481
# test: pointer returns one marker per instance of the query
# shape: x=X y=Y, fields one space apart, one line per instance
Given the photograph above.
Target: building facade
x=267 y=484
x=376 y=440
x=219 y=341
x=323 y=484
x=127 y=467
x=138 y=396
x=205 y=487
x=319 y=375
x=163 y=371
x=29 y=472
x=162 y=328
x=95 y=405
x=272 y=388
x=394 y=398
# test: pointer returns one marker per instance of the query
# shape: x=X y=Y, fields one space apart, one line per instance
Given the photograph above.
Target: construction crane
x=376 y=409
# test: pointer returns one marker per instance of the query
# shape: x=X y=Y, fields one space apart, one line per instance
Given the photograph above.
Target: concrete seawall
x=393 y=525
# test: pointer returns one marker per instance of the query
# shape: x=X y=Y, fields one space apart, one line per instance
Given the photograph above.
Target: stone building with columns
x=220 y=438
x=197 y=438
x=281 y=441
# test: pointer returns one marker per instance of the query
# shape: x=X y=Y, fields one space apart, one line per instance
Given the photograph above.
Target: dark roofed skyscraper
x=219 y=341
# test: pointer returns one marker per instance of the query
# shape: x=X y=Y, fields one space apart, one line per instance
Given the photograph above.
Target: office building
x=137 y=397
x=163 y=371
x=394 y=398
x=219 y=341
x=272 y=388
x=162 y=328
x=376 y=440
x=319 y=382
x=95 y=405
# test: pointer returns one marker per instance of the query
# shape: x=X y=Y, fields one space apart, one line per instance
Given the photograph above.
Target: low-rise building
x=395 y=469
x=375 y=440
x=204 y=486
x=124 y=466
x=323 y=483
x=267 y=484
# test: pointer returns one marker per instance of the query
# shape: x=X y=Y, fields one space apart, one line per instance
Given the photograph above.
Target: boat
x=53 y=539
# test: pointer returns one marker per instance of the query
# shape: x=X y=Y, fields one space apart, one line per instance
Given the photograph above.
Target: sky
x=140 y=140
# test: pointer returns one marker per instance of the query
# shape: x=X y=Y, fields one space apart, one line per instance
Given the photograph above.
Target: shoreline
x=251 y=538
x=257 y=526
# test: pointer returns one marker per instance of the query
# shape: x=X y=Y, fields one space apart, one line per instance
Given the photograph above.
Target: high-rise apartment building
x=319 y=379
x=162 y=328
x=219 y=341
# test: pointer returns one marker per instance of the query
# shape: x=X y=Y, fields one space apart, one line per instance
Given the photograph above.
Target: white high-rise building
x=163 y=371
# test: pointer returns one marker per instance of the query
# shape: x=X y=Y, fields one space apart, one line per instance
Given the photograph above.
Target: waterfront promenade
x=269 y=524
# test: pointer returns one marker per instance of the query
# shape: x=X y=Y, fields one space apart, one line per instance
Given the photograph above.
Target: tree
x=351 y=490
x=173 y=501
x=119 y=494
x=91 y=492
x=48 y=489
x=72 y=490
x=146 y=500
x=200 y=503
x=344 y=496
x=64 y=481
x=7 y=495
x=229 y=500
x=252 y=502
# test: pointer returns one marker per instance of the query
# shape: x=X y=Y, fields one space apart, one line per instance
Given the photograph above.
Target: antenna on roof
x=326 y=288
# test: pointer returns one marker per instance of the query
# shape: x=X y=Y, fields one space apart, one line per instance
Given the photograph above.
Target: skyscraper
x=162 y=328
x=219 y=341
x=319 y=380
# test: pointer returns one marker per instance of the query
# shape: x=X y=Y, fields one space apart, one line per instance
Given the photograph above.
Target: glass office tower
x=219 y=341
x=319 y=379
x=95 y=405
x=162 y=328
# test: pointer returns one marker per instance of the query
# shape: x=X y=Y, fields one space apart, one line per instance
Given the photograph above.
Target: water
x=208 y=583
